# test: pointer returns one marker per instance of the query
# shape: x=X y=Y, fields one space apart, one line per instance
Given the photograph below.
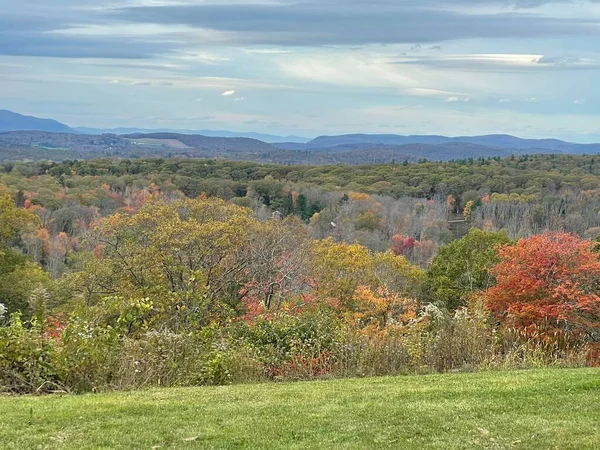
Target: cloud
x=27 y=31
x=568 y=62
x=337 y=22
x=531 y=100
x=579 y=101
x=455 y=99
x=424 y=92
x=144 y=29
x=505 y=100
x=202 y=57
x=239 y=99
x=266 y=51
x=489 y=62
x=227 y=93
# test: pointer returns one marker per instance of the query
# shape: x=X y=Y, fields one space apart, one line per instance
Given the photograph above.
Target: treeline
x=522 y=175
x=371 y=205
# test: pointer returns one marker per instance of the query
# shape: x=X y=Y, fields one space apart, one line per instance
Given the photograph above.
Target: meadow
x=537 y=409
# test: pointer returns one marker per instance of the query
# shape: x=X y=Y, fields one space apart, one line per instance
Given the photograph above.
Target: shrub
x=27 y=359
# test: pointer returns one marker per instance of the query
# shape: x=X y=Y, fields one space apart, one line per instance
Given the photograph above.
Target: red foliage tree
x=401 y=245
x=549 y=282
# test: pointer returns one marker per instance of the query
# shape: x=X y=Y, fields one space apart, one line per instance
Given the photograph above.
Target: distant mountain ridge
x=23 y=137
x=11 y=121
x=502 y=141
x=268 y=138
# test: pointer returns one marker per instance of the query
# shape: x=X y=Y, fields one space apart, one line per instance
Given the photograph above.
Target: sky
x=530 y=68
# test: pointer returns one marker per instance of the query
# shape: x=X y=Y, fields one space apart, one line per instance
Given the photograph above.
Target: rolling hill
x=39 y=145
x=268 y=138
x=25 y=138
x=502 y=141
x=11 y=121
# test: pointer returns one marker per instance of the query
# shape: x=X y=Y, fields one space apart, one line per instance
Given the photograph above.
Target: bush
x=27 y=359
x=88 y=354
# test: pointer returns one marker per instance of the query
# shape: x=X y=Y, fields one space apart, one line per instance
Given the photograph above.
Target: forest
x=121 y=274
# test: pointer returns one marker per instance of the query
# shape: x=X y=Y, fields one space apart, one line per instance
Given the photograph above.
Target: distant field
x=547 y=409
x=45 y=147
x=171 y=143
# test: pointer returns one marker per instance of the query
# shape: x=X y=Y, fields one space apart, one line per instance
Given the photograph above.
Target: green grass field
x=547 y=409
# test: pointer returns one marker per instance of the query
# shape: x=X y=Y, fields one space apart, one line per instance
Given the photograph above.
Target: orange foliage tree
x=549 y=283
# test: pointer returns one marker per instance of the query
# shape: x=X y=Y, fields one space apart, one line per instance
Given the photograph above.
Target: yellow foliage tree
x=184 y=255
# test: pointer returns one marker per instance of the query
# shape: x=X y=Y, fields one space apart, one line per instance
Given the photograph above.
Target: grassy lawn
x=548 y=409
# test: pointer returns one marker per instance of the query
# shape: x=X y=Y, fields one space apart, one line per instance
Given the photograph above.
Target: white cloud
x=579 y=101
x=343 y=69
x=239 y=99
x=425 y=92
x=227 y=93
x=455 y=99
x=265 y=51
x=494 y=62
x=204 y=58
x=505 y=100
x=531 y=100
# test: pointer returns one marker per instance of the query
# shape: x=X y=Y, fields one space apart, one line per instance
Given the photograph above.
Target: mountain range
x=502 y=141
x=268 y=138
x=24 y=137
x=11 y=121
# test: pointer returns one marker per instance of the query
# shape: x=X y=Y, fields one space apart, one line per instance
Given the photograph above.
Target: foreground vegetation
x=505 y=410
x=109 y=280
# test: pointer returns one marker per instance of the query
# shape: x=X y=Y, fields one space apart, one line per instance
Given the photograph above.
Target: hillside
x=350 y=149
x=516 y=410
x=31 y=138
x=268 y=138
x=11 y=121
x=37 y=145
x=506 y=142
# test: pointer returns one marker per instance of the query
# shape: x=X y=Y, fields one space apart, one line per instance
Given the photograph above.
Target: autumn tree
x=19 y=276
x=463 y=267
x=373 y=288
x=187 y=255
x=551 y=282
x=338 y=269
x=279 y=251
x=13 y=220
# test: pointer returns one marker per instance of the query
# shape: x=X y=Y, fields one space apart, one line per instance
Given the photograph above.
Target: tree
x=19 y=276
x=549 y=282
x=187 y=255
x=13 y=219
x=403 y=245
x=343 y=273
x=463 y=267
x=279 y=253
